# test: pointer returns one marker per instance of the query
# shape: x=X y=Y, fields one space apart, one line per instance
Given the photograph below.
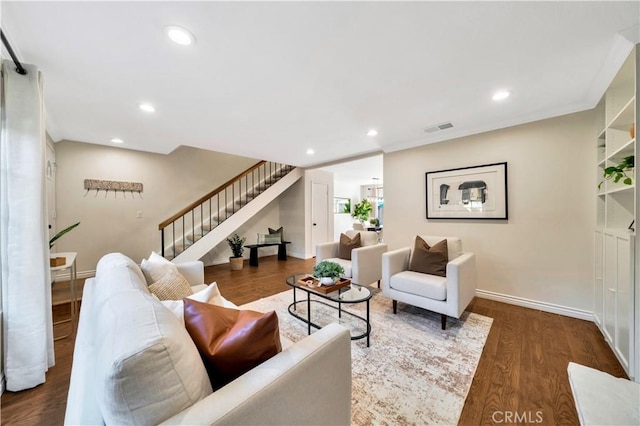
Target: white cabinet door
x=618 y=300
x=610 y=280
x=598 y=295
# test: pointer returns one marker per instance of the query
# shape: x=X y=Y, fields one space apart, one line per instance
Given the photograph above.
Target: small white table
x=70 y=264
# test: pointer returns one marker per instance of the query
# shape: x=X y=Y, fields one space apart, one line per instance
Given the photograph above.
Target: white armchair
x=448 y=295
x=365 y=265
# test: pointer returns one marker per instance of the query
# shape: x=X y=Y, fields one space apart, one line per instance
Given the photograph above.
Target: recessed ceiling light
x=179 y=35
x=372 y=132
x=310 y=151
x=502 y=94
x=147 y=107
x=117 y=140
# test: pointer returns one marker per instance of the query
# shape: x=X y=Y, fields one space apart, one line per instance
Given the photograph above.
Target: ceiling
x=361 y=171
x=271 y=80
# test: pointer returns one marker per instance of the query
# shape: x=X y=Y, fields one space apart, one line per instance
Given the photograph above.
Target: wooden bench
x=253 y=251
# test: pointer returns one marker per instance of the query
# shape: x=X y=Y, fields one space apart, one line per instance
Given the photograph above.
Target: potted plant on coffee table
x=237 y=248
x=328 y=272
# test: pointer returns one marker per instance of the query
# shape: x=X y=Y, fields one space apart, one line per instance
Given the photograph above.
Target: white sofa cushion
x=346 y=264
x=147 y=367
x=602 y=399
x=116 y=272
x=429 y=286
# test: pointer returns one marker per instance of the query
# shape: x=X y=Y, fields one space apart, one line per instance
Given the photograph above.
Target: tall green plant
x=362 y=211
x=53 y=240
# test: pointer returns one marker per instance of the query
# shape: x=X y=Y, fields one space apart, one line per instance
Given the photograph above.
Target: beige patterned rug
x=413 y=372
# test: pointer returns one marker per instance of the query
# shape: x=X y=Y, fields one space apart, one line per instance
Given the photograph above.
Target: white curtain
x=27 y=327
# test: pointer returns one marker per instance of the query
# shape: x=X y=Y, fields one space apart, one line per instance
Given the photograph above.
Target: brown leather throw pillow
x=231 y=341
x=430 y=260
x=347 y=244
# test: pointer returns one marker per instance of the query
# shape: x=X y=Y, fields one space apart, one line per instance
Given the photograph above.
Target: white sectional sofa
x=134 y=363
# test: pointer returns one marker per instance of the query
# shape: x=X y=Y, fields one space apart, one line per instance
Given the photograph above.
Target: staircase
x=195 y=230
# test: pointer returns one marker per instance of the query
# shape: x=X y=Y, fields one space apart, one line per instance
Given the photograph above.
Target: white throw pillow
x=147 y=367
x=211 y=295
x=155 y=268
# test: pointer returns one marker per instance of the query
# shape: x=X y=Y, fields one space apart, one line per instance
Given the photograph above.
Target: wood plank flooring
x=522 y=369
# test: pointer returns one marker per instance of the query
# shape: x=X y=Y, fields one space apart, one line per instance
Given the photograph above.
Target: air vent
x=438 y=127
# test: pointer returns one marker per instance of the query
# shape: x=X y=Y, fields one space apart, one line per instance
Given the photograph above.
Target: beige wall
x=544 y=252
x=108 y=221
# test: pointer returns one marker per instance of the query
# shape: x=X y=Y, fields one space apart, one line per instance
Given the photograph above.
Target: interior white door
x=319 y=214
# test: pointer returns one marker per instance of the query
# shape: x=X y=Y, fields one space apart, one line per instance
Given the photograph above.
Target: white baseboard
x=535 y=304
x=67 y=275
x=298 y=255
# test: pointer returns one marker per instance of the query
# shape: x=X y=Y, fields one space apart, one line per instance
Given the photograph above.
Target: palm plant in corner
x=237 y=248
x=619 y=172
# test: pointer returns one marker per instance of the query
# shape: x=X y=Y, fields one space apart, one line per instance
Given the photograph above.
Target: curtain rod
x=19 y=68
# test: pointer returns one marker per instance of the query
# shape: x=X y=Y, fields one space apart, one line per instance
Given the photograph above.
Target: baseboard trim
x=2 y=384
x=298 y=255
x=535 y=304
x=67 y=275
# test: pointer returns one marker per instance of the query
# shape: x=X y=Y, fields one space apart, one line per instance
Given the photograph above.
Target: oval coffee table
x=350 y=294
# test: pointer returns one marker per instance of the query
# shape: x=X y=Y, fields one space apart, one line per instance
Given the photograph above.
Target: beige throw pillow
x=171 y=286
x=430 y=260
x=347 y=244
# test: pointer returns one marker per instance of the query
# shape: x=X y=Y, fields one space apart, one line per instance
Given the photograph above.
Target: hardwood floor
x=523 y=368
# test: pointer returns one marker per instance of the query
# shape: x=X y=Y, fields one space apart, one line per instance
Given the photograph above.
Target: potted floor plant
x=328 y=272
x=237 y=248
x=362 y=211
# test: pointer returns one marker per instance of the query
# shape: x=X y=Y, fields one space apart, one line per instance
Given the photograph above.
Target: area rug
x=413 y=372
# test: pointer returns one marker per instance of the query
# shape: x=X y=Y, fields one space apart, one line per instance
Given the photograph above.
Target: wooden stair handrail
x=209 y=195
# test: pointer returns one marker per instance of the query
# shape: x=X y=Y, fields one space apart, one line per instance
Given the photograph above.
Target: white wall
x=544 y=252
x=108 y=221
x=293 y=218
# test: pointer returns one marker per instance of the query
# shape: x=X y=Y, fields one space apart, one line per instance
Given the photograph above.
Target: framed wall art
x=478 y=192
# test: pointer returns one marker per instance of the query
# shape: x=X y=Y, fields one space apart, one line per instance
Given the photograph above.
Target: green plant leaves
x=236 y=243
x=53 y=240
x=328 y=269
x=618 y=172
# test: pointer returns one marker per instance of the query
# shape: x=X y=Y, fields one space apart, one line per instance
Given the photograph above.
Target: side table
x=70 y=264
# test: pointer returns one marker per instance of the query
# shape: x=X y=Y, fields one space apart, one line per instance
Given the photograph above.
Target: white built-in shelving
x=615 y=307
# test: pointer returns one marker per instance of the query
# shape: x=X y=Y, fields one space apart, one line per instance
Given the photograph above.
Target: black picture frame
x=476 y=192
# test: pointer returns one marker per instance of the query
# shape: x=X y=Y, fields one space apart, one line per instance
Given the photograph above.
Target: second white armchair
x=448 y=293
x=365 y=266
